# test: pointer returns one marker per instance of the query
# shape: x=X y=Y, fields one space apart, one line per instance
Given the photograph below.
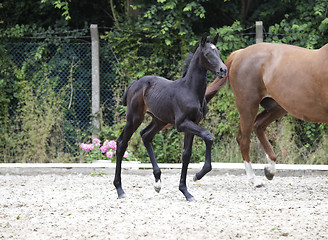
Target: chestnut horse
x=179 y=102
x=282 y=79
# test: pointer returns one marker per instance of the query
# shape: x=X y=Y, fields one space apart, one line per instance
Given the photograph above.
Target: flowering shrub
x=96 y=151
x=87 y=147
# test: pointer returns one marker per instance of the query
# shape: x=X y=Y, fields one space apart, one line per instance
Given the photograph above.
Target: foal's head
x=210 y=56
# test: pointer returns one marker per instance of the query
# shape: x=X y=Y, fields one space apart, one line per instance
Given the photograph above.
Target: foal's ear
x=215 y=39
x=204 y=38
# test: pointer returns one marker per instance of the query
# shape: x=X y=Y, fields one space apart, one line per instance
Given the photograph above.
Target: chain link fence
x=68 y=66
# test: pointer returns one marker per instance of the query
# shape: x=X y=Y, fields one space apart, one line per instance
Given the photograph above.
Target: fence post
x=95 y=78
x=259 y=31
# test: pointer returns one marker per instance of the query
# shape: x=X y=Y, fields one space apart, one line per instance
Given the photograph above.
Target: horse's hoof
x=157 y=186
x=157 y=189
x=257 y=183
x=195 y=178
x=122 y=196
x=191 y=199
x=268 y=175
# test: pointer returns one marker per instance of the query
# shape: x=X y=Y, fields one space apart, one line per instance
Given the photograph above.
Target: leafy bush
x=306 y=27
x=34 y=106
x=34 y=134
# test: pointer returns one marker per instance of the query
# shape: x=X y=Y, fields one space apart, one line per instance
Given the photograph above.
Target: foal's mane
x=186 y=63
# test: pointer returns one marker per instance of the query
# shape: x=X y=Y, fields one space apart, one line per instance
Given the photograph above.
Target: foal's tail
x=218 y=83
x=124 y=98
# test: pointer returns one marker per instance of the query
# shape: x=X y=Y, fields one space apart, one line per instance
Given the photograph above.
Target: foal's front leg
x=188 y=139
x=188 y=126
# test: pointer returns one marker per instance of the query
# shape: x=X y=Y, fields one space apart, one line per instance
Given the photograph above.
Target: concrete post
x=95 y=77
x=259 y=31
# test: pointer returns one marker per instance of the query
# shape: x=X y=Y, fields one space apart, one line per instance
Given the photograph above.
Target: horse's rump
x=124 y=98
x=294 y=77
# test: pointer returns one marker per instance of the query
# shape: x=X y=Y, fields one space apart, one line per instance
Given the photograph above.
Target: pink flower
x=109 y=154
x=87 y=147
x=126 y=154
x=108 y=145
x=103 y=149
x=96 y=141
x=112 y=144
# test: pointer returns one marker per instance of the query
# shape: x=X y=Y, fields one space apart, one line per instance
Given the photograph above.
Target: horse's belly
x=309 y=113
x=162 y=112
x=297 y=94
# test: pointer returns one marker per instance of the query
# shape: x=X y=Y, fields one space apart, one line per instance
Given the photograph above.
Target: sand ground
x=226 y=207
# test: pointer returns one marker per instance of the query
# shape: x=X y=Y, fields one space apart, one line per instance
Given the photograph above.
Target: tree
x=307 y=26
x=153 y=41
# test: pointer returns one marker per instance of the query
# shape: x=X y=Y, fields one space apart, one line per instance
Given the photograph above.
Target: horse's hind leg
x=188 y=139
x=261 y=123
x=147 y=136
x=135 y=116
x=122 y=144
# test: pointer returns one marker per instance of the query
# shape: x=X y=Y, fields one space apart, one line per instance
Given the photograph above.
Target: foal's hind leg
x=122 y=144
x=261 y=123
x=147 y=135
x=135 y=116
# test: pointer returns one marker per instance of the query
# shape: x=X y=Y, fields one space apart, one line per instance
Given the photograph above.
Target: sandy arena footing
x=79 y=205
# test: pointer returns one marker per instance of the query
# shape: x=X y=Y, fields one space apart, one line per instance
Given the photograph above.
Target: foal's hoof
x=158 y=186
x=191 y=199
x=122 y=196
x=120 y=193
x=268 y=174
x=195 y=178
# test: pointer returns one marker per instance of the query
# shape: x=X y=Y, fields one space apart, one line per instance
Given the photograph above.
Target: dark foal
x=179 y=102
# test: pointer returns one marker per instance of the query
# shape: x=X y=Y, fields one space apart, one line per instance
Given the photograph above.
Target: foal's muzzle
x=222 y=73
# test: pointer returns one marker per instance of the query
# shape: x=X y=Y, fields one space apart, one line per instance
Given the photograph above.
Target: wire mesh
x=68 y=65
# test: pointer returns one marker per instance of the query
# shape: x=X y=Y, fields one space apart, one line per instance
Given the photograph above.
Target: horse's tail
x=124 y=98
x=218 y=83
